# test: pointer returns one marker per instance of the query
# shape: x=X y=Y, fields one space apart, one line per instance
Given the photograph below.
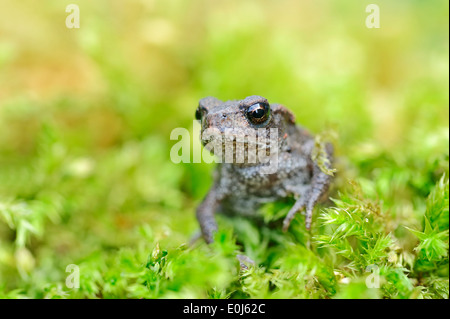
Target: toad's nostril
x=209 y=122
x=224 y=116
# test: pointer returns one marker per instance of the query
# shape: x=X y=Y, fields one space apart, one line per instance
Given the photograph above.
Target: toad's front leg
x=205 y=215
x=319 y=186
x=208 y=224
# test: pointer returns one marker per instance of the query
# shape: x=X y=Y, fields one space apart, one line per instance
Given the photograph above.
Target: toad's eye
x=258 y=113
x=198 y=114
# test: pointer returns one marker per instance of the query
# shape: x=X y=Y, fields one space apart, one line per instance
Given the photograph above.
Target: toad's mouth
x=240 y=150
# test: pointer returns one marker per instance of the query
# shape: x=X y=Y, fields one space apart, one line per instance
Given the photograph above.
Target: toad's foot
x=245 y=262
x=298 y=206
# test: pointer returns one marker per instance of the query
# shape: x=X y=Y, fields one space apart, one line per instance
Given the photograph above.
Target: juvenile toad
x=264 y=156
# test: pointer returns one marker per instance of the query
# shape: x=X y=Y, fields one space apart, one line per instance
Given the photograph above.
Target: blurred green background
x=86 y=114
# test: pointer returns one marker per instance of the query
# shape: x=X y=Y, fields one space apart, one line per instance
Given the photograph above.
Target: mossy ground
x=85 y=173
